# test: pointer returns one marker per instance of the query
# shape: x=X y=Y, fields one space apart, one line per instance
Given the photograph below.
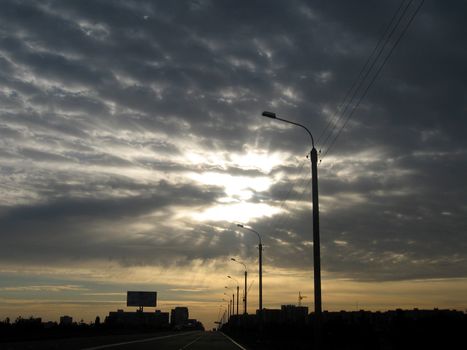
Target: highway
x=172 y=341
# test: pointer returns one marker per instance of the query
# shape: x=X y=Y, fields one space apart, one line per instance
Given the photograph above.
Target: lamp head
x=269 y=114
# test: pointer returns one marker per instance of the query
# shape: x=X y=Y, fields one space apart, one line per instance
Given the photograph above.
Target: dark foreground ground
x=365 y=332
x=420 y=341
x=194 y=340
x=416 y=329
x=340 y=337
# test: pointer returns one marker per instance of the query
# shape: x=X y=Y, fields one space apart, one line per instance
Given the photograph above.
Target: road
x=172 y=341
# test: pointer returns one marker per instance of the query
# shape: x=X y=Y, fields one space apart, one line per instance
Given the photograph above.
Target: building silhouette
x=138 y=319
x=66 y=320
x=179 y=316
x=294 y=314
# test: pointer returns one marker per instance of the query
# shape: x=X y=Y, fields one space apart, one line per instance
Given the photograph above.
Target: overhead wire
x=306 y=188
x=387 y=35
x=291 y=187
x=333 y=119
x=284 y=207
x=297 y=198
x=358 y=84
x=352 y=91
x=386 y=58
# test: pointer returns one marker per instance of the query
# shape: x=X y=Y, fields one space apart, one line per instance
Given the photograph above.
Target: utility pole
x=246 y=308
x=237 y=298
x=260 y=248
x=316 y=247
x=316 y=243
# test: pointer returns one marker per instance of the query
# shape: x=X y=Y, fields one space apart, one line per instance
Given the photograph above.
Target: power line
x=404 y=30
x=387 y=37
x=284 y=206
x=358 y=84
x=285 y=222
x=292 y=185
x=333 y=120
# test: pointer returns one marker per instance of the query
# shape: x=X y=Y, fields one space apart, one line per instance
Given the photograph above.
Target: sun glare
x=235 y=187
x=260 y=160
x=239 y=212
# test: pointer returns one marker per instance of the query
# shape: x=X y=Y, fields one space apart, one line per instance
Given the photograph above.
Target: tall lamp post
x=316 y=244
x=237 y=289
x=245 y=293
x=260 y=252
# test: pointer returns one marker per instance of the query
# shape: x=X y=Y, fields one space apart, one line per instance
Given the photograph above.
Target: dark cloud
x=107 y=109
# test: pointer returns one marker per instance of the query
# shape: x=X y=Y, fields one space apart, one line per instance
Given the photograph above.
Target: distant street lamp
x=237 y=289
x=221 y=317
x=245 y=309
x=228 y=306
x=233 y=301
x=316 y=244
x=260 y=252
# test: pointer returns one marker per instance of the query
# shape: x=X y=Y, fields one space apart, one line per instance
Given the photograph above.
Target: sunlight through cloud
x=240 y=212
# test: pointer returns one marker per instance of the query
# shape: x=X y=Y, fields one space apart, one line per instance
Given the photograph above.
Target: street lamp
x=260 y=252
x=233 y=301
x=245 y=294
x=237 y=289
x=228 y=306
x=316 y=244
x=219 y=317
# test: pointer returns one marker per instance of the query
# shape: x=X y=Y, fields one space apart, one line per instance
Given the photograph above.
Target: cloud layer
x=130 y=133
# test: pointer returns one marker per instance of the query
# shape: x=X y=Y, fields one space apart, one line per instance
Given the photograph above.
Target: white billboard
x=141 y=298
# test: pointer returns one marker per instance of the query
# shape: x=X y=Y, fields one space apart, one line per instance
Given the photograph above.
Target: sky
x=132 y=143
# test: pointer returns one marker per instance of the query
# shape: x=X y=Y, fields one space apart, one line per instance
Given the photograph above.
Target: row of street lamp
x=245 y=288
x=260 y=267
x=316 y=242
x=245 y=295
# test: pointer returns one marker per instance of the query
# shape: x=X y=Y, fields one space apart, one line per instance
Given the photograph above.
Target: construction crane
x=300 y=297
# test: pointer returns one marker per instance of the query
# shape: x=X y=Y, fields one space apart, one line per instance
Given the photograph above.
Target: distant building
x=194 y=324
x=30 y=322
x=272 y=316
x=138 y=319
x=294 y=314
x=287 y=314
x=66 y=320
x=179 y=316
x=49 y=324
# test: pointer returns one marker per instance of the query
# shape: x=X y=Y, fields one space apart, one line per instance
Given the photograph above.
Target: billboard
x=141 y=298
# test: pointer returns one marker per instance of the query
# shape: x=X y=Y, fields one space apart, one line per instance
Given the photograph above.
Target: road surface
x=172 y=341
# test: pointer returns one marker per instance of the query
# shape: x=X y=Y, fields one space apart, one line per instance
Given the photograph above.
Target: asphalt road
x=172 y=341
